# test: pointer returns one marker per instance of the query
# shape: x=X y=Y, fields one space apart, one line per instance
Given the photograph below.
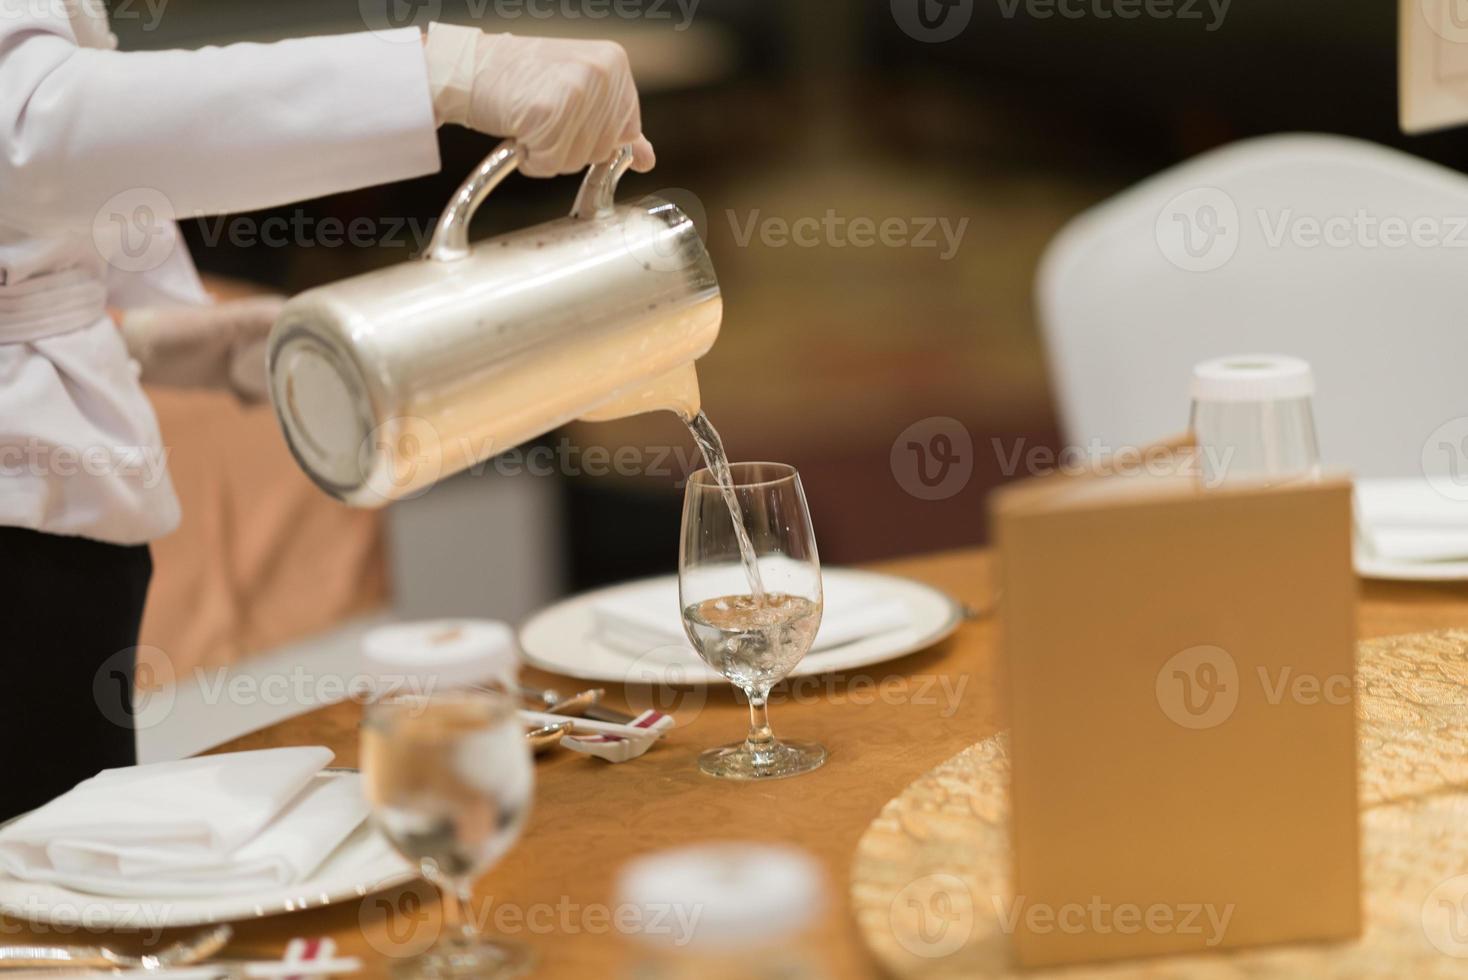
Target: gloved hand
x=219 y=346
x=568 y=103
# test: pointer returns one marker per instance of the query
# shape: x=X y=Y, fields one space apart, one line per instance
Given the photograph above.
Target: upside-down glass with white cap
x=1252 y=419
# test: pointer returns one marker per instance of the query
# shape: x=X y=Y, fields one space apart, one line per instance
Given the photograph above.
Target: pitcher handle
x=595 y=199
x=450 y=241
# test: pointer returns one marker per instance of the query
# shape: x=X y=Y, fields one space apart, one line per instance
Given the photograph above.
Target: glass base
x=774 y=761
x=498 y=960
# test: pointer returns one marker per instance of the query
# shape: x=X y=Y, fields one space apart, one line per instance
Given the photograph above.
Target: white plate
x=362 y=864
x=1368 y=566
x=563 y=638
x=1432 y=508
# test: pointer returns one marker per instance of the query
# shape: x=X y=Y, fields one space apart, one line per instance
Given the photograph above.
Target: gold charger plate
x=930 y=878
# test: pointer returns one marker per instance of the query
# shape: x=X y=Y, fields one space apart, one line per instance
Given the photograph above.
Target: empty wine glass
x=449 y=778
x=749 y=585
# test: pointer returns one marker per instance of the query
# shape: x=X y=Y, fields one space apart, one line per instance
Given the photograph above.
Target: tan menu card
x=1181 y=674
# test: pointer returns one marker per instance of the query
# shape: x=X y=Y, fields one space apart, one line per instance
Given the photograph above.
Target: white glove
x=568 y=103
x=219 y=346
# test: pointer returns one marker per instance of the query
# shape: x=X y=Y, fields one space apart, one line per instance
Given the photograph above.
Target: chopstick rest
x=618 y=743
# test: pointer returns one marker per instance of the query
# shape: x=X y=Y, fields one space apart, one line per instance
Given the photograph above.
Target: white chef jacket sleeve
x=215 y=131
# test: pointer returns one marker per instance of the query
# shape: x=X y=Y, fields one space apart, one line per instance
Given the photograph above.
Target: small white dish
x=362 y=864
x=563 y=638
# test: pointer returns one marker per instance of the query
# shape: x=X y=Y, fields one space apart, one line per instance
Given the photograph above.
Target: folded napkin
x=210 y=825
x=1410 y=520
x=638 y=620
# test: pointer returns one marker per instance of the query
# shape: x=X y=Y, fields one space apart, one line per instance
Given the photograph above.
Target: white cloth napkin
x=1410 y=520
x=209 y=825
x=641 y=619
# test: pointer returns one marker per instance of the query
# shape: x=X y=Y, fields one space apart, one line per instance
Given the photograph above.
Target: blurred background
x=835 y=356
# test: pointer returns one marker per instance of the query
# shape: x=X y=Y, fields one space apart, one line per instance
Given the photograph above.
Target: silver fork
x=191 y=949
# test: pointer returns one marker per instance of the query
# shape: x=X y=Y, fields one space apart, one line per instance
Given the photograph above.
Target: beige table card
x=1181 y=682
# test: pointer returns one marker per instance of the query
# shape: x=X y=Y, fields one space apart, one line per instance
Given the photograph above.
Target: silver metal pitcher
x=389 y=381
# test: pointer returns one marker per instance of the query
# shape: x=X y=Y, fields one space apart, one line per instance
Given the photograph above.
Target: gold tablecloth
x=930 y=878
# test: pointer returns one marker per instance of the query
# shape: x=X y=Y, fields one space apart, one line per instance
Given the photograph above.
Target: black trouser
x=71 y=608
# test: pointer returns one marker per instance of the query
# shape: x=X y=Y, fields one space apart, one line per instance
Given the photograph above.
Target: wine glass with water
x=449 y=778
x=751 y=598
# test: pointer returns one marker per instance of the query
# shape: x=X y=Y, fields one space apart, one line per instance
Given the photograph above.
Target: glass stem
x=760 y=738
x=457 y=911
